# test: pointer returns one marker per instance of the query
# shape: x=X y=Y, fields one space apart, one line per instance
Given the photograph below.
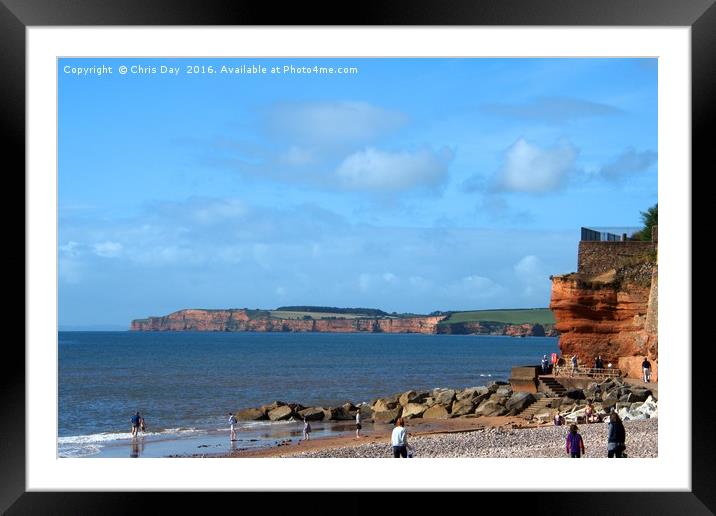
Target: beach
x=489 y=437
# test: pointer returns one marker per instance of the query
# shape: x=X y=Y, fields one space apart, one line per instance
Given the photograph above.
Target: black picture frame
x=17 y=15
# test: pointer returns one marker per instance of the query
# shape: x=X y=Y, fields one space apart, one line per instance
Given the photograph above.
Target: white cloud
x=70 y=249
x=333 y=122
x=532 y=169
x=373 y=169
x=628 y=162
x=107 y=249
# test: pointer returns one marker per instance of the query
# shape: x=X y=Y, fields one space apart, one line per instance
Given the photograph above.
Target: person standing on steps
x=574 y=365
x=545 y=363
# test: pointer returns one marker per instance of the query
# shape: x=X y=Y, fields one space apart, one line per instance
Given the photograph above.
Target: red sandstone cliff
x=239 y=320
x=614 y=318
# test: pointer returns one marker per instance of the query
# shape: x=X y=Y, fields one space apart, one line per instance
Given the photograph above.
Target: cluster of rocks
x=495 y=399
x=614 y=394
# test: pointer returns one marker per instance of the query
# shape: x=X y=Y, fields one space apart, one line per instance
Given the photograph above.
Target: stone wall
x=599 y=257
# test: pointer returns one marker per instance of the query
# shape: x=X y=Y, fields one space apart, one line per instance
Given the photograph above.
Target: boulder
x=436 y=412
x=444 y=397
x=329 y=413
x=472 y=392
x=608 y=405
x=312 y=414
x=519 y=401
x=413 y=397
x=366 y=412
x=268 y=408
x=487 y=408
x=462 y=407
x=382 y=405
x=639 y=395
x=504 y=390
x=281 y=413
x=412 y=410
x=251 y=414
x=575 y=394
x=387 y=416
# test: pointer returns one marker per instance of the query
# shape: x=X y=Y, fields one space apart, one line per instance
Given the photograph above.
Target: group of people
x=137 y=421
x=307 y=426
x=616 y=439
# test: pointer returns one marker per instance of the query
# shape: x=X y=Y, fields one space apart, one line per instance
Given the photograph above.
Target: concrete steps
x=536 y=407
x=552 y=387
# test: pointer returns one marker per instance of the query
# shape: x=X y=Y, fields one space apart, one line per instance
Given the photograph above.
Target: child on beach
x=306 y=429
x=575 y=444
x=358 y=425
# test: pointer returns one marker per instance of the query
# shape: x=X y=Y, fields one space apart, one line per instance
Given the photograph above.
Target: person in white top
x=399 y=440
x=232 y=425
x=358 y=425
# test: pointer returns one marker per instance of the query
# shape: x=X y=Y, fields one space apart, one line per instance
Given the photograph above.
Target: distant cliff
x=244 y=320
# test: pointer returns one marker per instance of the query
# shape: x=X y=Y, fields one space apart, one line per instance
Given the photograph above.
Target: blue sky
x=413 y=185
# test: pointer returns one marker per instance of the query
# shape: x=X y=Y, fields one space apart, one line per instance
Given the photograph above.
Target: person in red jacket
x=575 y=444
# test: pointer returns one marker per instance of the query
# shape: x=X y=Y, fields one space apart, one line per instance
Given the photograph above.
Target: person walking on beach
x=232 y=426
x=135 y=424
x=358 y=425
x=142 y=426
x=575 y=444
x=646 y=369
x=306 y=429
x=399 y=440
x=617 y=437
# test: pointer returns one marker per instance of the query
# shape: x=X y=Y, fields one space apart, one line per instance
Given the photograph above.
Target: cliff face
x=614 y=318
x=239 y=320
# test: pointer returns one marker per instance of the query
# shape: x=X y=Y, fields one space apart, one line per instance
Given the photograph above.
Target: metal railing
x=568 y=370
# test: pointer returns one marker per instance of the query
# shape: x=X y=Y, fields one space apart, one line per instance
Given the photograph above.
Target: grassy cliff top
x=507 y=316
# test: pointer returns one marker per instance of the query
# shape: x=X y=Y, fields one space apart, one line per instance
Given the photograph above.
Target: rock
x=639 y=395
x=493 y=386
x=366 y=412
x=519 y=401
x=387 y=416
x=268 y=408
x=413 y=397
x=382 y=405
x=575 y=394
x=444 y=397
x=462 y=407
x=504 y=390
x=436 y=412
x=330 y=413
x=490 y=408
x=251 y=414
x=312 y=413
x=607 y=405
x=281 y=413
x=412 y=410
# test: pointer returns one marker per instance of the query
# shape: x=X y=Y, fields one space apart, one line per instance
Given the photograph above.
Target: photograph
x=359 y=257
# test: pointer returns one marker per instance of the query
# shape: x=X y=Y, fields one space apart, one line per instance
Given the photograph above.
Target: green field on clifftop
x=520 y=316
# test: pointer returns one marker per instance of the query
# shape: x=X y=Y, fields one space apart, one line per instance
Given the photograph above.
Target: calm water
x=187 y=382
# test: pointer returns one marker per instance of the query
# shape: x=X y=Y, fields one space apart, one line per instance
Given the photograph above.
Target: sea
x=185 y=383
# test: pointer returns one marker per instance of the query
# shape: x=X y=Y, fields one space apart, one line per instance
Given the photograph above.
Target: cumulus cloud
x=628 y=162
x=373 y=169
x=533 y=169
x=331 y=122
x=552 y=109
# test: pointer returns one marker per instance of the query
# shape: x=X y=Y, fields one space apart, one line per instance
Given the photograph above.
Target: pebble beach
x=498 y=442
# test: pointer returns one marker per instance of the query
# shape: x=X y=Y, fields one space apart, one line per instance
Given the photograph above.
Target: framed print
x=311 y=248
